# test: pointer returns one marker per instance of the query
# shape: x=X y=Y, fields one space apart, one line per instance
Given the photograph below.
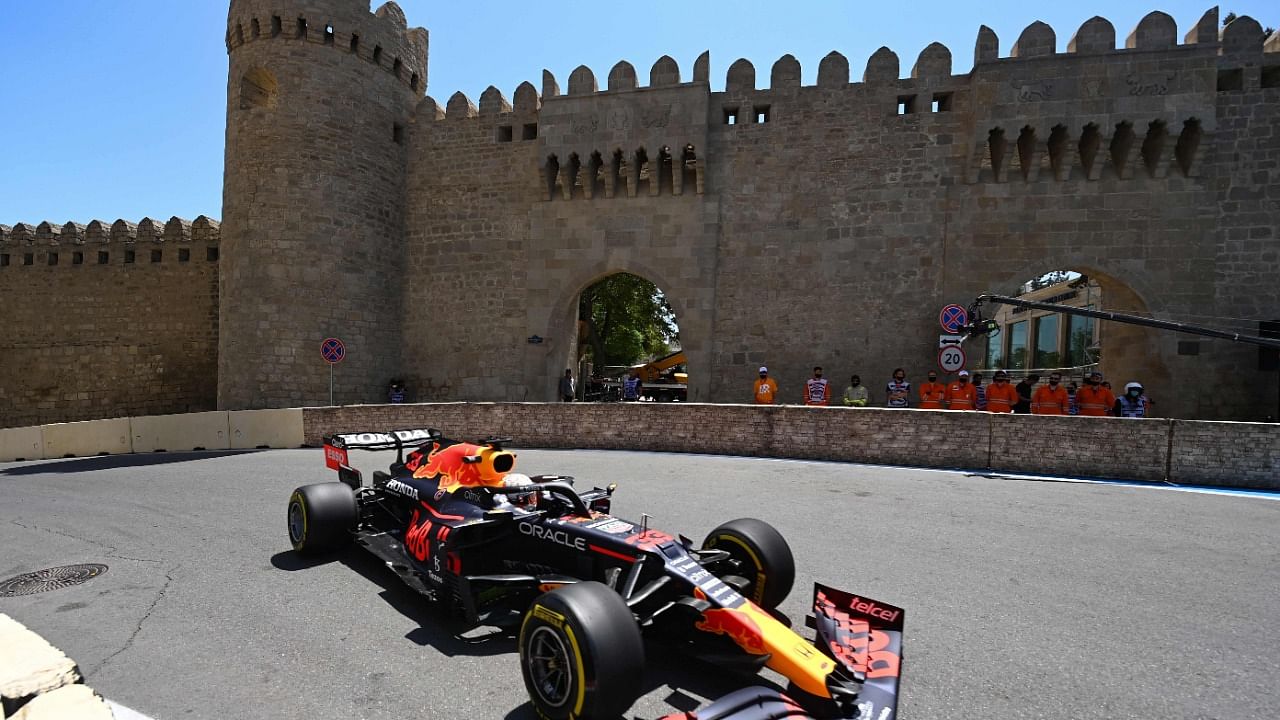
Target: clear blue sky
x=116 y=108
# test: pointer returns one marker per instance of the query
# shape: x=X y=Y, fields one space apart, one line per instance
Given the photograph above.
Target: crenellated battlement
x=1099 y=109
x=622 y=78
x=382 y=38
x=1095 y=38
x=97 y=242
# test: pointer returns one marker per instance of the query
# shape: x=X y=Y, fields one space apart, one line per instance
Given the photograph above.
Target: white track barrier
x=265 y=428
x=180 y=433
x=84 y=439
x=23 y=443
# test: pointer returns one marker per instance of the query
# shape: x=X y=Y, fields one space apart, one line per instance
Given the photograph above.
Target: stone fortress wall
x=320 y=96
x=789 y=225
x=108 y=319
x=797 y=225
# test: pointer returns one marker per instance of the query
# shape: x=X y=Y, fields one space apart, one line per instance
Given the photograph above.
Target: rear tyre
x=321 y=517
x=581 y=653
x=758 y=553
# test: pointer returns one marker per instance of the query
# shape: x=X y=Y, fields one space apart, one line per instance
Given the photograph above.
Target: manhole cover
x=50 y=579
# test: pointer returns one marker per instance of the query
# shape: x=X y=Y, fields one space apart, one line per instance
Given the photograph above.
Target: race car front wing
x=864 y=636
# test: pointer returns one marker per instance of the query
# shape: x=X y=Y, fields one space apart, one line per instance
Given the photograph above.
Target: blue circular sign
x=333 y=351
x=952 y=318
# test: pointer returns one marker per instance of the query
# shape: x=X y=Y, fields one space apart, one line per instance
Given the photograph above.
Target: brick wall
x=1077 y=446
x=1211 y=453
x=1232 y=454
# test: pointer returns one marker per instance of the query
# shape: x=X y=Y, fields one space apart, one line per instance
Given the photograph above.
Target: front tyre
x=581 y=653
x=758 y=553
x=321 y=517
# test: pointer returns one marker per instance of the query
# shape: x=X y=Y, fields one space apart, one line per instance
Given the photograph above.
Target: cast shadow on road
x=685 y=683
x=111 y=462
x=436 y=627
x=688 y=682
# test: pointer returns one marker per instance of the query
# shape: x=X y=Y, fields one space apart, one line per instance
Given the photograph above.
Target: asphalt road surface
x=1024 y=599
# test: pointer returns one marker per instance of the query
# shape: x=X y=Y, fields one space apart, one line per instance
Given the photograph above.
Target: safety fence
x=1228 y=454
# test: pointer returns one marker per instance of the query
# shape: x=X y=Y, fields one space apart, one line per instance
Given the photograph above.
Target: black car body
x=458 y=525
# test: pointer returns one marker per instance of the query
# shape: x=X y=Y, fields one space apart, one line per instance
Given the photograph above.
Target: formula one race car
x=504 y=549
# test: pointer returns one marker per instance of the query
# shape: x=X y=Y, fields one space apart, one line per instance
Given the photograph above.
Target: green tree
x=624 y=319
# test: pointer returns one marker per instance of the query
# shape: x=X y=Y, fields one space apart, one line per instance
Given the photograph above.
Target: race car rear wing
x=337 y=445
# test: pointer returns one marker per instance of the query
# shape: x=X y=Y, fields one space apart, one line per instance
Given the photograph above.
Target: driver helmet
x=526 y=500
x=1133 y=386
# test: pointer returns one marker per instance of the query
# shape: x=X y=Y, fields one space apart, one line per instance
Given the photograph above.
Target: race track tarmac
x=1024 y=599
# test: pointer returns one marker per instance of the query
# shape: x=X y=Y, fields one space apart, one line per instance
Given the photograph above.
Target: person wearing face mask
x=932 y=393
x=766 y=388
x=898 y=390
x=1093 y=400
x=1051 y=399
x=961 y=395
x=1134 y=403
x=817 y=391
x=856 y=394
x=1001 y=397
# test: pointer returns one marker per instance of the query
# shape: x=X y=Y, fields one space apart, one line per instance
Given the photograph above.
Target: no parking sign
x=952 y=318
x=333 y=351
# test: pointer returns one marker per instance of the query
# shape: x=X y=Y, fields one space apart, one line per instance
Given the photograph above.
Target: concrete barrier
x=70 y=701
x=180 y=433
x=29 y=666
x=90 y=437
x=24 y=443
x=1226 y=454
x=265 y=428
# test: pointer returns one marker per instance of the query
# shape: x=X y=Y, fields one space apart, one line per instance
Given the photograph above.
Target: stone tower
x=319 y=98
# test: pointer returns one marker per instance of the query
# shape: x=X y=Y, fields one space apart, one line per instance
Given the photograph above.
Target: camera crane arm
x=978 y=326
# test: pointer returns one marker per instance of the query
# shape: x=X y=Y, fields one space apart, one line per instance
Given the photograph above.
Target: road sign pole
x=333 y=351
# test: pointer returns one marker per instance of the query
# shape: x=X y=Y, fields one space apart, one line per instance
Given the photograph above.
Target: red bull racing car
x=584 y=587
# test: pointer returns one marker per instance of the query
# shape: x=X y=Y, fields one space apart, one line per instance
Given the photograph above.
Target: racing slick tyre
x=581 y=653
x=758 y=553
x=321 y=517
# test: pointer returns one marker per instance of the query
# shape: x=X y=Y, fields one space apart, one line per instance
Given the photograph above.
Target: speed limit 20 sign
x=951 y=358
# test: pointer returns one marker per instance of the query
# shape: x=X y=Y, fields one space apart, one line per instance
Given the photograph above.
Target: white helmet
x=1133 y=386
x=519 y=481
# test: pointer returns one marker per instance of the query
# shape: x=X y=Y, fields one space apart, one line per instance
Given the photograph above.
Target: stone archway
x=1129 y=352
x=560 y=318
